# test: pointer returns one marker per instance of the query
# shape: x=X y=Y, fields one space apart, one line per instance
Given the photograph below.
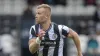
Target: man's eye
x=39 y=13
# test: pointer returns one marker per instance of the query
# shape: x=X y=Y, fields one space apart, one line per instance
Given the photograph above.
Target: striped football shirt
x=53 y=42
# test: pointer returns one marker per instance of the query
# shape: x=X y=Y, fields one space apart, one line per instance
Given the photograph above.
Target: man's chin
x=37 y=23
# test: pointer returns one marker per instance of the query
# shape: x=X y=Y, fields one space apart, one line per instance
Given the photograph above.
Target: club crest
x=54 y=36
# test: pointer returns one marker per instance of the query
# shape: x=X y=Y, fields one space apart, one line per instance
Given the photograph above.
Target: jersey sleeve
x=65 y=30
x=32 y=33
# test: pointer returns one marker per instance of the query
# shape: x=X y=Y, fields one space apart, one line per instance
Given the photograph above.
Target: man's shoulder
x=60 y=25
x=56 y=24
x=34 y=25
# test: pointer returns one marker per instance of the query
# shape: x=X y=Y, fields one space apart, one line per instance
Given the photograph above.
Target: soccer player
x=46 y=37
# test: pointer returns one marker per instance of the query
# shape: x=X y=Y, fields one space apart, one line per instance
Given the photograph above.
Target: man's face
x=40 y=15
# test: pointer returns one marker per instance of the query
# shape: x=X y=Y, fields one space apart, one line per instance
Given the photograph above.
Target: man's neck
x=45 y=26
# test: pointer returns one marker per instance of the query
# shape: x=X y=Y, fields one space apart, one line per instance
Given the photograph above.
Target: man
x=46 y=37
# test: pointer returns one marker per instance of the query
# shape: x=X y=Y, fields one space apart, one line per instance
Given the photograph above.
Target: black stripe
x=56 y=30
x=65 y=47
x=36 y=29
x=46 y=47
x=33 y=33
x=64 y=32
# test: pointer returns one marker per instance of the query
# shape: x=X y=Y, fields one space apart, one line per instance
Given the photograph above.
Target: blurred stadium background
x=17 y=16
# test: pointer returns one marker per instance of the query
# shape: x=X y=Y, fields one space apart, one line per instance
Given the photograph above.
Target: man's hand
x=41 y=34
x=34 y=43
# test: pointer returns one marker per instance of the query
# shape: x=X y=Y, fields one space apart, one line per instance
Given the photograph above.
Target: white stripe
x=50 y=33
x=61 y=44
x=51 y=51
x=41 y=51
x=30 y=35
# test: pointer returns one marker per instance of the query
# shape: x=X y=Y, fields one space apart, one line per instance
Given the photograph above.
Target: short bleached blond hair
x=44 y=6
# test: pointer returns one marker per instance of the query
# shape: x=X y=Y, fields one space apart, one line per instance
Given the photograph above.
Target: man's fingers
x=41 y=33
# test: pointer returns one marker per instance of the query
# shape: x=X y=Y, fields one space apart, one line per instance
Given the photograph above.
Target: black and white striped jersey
x=53 y=42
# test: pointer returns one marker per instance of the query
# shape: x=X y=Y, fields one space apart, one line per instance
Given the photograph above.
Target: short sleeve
x=32 y=33
x=65 y=30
